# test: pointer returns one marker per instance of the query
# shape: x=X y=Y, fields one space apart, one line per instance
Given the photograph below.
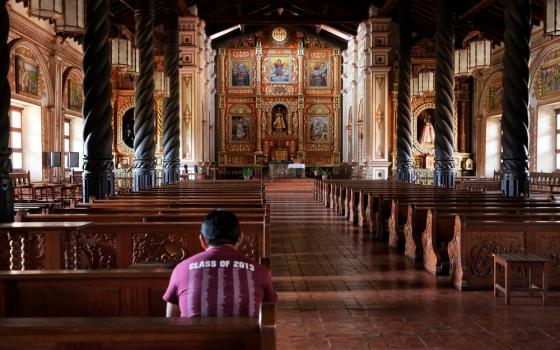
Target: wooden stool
x=530 y=261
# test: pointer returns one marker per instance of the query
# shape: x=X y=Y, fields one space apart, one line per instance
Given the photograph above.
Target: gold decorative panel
x=278 y=97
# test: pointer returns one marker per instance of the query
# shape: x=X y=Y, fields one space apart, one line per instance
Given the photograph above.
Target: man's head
x=220 y=227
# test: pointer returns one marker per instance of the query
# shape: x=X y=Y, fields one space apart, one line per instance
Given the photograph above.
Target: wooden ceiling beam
x=388 y=7
x=476 y=9
x=289 y=20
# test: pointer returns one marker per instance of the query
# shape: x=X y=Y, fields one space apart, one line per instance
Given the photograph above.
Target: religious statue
x=279 y=121
x=428 y=135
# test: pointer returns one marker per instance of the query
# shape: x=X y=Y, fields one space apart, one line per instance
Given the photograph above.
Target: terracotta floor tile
x=339 y=289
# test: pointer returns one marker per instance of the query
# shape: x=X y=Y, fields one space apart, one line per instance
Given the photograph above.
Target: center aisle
x=338 y=289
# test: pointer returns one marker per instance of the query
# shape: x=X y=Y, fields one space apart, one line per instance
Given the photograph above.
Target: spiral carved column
x=405 y=169
x=171 y=161
x=444 y=173
x=98 y=178
x=144 y=117
x=515 y=101
x=6 y=190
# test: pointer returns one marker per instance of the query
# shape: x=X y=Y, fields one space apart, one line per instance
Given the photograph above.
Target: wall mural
x=425 y=133
x=27 y=77
x=75 y=99
x=278 y=78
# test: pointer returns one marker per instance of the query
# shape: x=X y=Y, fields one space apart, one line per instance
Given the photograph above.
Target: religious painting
x=240 y=128
x=240 y=73
x=128 y=128
x=75 y=99
x=318 y=129
x=425 y=134
x=550 y=81
x=318 y=73
x=279 y=70
x=27 y=77
x=279 y=119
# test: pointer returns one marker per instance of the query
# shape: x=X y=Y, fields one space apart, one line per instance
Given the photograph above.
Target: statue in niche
x=425 y=129
x=279 y=118
x=128 y=128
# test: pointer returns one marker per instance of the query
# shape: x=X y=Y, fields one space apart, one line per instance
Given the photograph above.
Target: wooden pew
x=439 y=227
x=118 y=245
x=139 y=333
x=474 y=241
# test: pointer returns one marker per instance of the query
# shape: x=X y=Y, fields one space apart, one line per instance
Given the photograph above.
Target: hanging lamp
x=552 y=18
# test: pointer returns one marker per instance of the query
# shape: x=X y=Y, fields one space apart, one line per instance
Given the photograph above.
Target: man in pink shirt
x=219 y=281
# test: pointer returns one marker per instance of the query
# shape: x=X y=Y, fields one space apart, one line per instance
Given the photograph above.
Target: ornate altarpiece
x=278 y=99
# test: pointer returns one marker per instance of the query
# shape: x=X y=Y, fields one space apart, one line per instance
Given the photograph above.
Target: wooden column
x=405 y=168
x=6 y=190
x=515 y=101
x=444 y=173
x=98 y=178
x=144 y=116
x=171 y=132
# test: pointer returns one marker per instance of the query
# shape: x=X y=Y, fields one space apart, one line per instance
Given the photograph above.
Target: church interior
x=394 y=164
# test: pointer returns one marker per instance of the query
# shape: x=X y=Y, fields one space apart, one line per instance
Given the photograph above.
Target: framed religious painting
x=240 y=128
x=318 y=129
x=240 y=73
x=27 y=77
x=318 y=73
x=75 y=99
x=279 y=69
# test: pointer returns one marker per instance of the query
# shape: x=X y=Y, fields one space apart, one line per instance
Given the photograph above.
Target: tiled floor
x=338 y=289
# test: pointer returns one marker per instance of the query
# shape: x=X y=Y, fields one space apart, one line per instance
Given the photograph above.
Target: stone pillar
x=144 y=117
x=98 y=178
x=515 y=101
x=444 y=173
x=405 y=168
x=171 y=132
x=6 y=190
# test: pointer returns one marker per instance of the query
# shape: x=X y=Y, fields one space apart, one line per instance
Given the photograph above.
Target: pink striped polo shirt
x=219 y=282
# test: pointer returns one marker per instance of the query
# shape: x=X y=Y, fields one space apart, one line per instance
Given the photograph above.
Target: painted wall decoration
x=318 y=73
x=279 y=69
x=550 y=81
x=279 y=117
x=240 y=128
x=75 y=99
x=27 y=77
x=318 y=129
x=240 y=73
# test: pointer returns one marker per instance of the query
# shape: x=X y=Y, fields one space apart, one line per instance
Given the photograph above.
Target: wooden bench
x=140 y=333
x=513 y=261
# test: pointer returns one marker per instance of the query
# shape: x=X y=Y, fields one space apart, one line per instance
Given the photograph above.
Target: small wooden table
x=23 y=230
x=529 y=261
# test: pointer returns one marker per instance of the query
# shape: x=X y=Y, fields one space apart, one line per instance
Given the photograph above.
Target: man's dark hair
x=220 y=227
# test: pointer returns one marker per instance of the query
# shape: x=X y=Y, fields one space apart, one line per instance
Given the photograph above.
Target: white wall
x=493 y=145
x=76 y=138
x=546 y=133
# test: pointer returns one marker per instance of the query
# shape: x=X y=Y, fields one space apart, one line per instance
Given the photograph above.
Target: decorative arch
x=544 y=76
x=491 y=99
x=46 y=88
